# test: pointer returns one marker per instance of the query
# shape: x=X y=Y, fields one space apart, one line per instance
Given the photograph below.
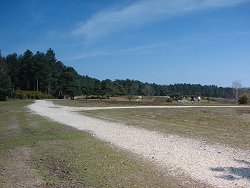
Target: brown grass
x=223 y=125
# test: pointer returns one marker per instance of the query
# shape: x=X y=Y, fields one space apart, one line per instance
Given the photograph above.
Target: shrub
x=20 y=94
x=168 y=100
x=47 y=96
x=243 y=99
x=130 y=97
x=31 y=95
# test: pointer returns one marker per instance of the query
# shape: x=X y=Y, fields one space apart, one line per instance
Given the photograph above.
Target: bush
x=168 y=100
x=47 y=96
x=31 y=95
x=243 y=99
x=20 y=94
x=130 y=97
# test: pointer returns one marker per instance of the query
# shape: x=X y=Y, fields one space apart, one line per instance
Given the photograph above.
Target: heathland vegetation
x=41 y=75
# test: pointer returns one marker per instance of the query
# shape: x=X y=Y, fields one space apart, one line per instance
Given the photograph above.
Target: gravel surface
x=217 y=165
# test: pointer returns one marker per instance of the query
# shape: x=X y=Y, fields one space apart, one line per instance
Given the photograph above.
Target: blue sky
x=160 y=41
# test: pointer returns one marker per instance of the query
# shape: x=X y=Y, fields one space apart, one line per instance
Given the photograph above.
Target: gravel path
x=216 y=165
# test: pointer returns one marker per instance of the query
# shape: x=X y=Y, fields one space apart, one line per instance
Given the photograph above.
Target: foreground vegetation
x=35 y=152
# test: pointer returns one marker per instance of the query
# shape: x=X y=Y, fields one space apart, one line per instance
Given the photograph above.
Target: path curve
x=216 y=165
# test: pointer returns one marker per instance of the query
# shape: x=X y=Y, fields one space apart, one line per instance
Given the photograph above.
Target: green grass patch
x=19 y=127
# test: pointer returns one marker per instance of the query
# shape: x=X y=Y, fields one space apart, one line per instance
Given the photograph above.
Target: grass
x=123 y=101
x=65 y=157
x=230 y=126
x=106 y=103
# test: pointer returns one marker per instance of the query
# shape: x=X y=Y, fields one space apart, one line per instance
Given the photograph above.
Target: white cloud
x=140 y=49
x=91 y=54
x=126 y=51
x=173 y=46
x=144 y=11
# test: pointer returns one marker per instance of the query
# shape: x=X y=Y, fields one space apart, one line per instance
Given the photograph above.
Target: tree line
x=44 y=73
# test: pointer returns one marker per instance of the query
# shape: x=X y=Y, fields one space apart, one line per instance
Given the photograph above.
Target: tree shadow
x=233 y=173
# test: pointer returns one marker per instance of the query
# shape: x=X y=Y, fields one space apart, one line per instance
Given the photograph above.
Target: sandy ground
x=216 y=165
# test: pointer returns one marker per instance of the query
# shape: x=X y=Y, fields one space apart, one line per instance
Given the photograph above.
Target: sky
x=157 y=41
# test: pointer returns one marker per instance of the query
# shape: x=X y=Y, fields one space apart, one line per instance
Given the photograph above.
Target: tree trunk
x=28 y=85
x=37 y=86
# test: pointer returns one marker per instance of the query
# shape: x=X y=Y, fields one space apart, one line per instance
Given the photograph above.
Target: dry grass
x=224 y=125
x=147 y=100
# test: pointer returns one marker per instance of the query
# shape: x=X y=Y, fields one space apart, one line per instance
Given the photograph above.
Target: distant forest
x=43 y=72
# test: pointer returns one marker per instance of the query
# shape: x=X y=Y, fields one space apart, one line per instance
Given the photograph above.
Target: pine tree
x=71 y=85
x=5 y=85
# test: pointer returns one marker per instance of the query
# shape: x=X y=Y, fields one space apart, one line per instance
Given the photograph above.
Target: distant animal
x=139 y=97
x=199 y=99
x=192 y=99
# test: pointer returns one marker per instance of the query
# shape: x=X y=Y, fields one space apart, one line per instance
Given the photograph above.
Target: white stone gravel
x=217 y=165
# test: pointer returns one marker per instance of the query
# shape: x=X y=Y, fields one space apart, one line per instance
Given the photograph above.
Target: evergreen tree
x=70 y=83
x=97 y=88
x=13 y=69
x=3 y=66
x=40 y=71
x=107 y=88
x=50 y=60
x=87 y=85
x=5 y=85
x=27 y=72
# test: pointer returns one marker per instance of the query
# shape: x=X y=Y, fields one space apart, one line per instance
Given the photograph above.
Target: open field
x=208 y=162
x=35 y=152
x=148 y=100
x=230 y=126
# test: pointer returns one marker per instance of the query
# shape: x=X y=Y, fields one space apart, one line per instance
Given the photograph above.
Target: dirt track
x=216 y=165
